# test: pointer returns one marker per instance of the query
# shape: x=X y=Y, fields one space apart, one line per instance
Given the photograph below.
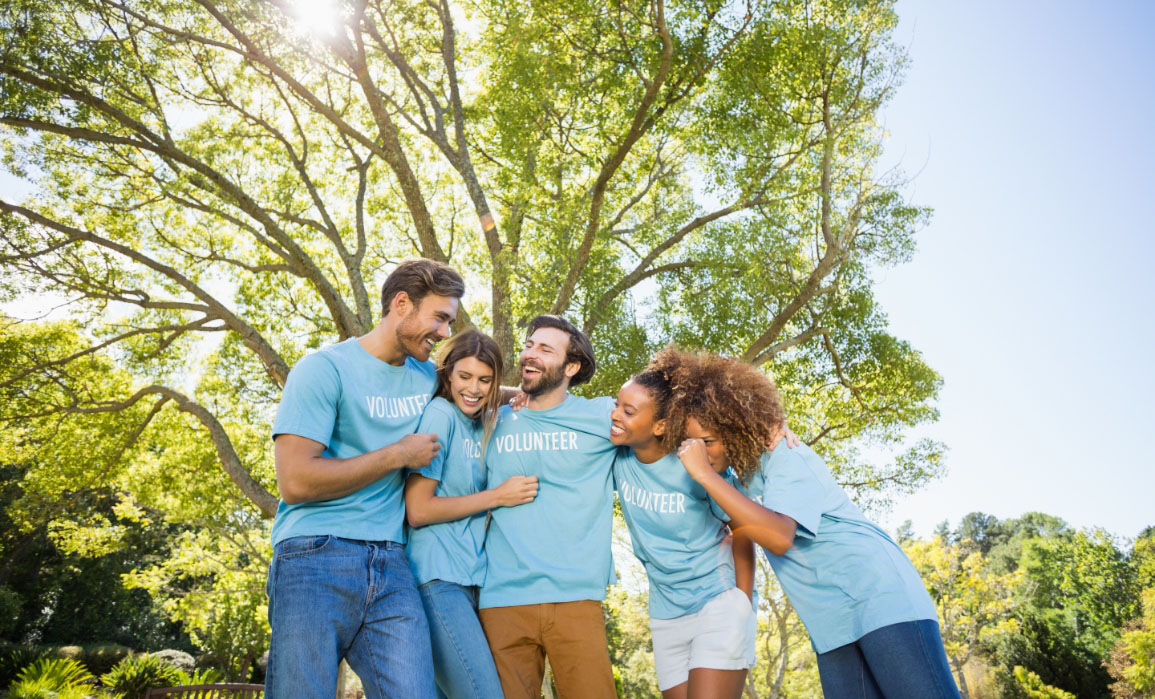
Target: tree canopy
x=218 y=186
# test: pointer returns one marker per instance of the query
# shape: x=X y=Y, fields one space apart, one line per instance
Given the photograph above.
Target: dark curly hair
x=659 y=378
x=732 y=399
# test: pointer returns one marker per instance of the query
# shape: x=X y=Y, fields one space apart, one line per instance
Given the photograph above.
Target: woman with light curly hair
x=871 y=621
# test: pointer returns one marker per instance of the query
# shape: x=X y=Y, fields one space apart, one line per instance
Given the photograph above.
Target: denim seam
x=926 y=654
x=375 y=663
x=863 y=668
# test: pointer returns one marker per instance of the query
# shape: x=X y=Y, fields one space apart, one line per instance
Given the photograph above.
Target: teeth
x=614 y=429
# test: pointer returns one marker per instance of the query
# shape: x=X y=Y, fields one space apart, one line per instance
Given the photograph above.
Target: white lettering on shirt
x=536 y=441
x=666 y=503
x=394 y=407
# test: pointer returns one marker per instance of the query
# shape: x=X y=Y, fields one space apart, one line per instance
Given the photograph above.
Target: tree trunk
x=962 y=680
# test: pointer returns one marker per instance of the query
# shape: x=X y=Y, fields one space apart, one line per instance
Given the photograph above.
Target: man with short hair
x=549 y=560
x=339 y=584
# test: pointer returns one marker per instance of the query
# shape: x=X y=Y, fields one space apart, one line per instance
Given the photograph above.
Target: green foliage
x=61 y=678
x=1028 y=685
x=10 y=604
x=102 y=657
x=1090 y=579
x=14 y=657
x=136 y=674
x=1047 y=646
x=703 y=174
x=628 y=635
x=975 y=605
x=1132 y=660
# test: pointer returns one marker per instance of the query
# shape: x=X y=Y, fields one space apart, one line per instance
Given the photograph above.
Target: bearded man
x=549 y=560
x=339 y=585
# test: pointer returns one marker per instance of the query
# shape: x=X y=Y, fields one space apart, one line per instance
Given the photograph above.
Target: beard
x=550 y=378
x=411 y=337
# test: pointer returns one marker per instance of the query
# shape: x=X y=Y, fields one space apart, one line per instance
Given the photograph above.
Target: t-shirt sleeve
x=436 y=420
x=792 y=489
x=602 y=407
x=309 y=402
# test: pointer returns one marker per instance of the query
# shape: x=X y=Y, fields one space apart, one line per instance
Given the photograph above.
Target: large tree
x=218 y=186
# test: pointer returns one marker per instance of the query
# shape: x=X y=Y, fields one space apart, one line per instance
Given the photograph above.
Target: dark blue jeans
x=896 y=661
x=333 y=598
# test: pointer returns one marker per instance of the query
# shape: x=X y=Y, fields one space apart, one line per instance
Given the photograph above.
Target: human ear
x=659 y=428
x=401 y=303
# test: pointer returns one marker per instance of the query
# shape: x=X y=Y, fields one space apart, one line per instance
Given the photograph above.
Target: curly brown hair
x=732 y=399
x=659 y=378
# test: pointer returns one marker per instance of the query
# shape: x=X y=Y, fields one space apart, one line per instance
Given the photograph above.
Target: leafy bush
x=102 y=657
x=1024 y=684
x=177 y=658
x=14 y=657
x=10 y=603
x=205 y=676
x=137 y=674
x=52 y=678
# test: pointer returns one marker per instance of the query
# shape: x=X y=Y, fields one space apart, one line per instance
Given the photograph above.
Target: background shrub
x=102 y=657
x=177 y=658
x=14 y=657
x=137 y=674
x=52 y=678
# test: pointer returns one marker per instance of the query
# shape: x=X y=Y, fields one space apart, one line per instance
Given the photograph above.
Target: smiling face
x=632 y=422
x=543 y=361
x=471 y=381
x=424 y=325
x=715 y=449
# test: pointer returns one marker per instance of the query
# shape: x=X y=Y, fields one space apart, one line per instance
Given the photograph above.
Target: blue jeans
x=462 y=664
x=900 y=660
x=333 y=598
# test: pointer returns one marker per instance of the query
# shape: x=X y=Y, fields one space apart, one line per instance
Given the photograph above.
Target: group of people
x=446 y=543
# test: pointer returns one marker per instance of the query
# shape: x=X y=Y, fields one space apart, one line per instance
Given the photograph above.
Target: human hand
x=692 y=452
x=519 y=401
x=784 y=433
x=516 y=490
x=417 y=450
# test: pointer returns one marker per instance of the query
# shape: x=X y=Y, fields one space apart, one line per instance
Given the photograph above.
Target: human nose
x=444 y=331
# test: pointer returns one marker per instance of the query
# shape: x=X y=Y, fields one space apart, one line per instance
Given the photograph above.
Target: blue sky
x=1030 y=128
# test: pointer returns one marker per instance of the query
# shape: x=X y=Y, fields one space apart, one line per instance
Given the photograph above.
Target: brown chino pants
x=572 y=634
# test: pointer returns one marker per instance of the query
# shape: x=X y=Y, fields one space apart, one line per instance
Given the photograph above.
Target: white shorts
x=719 y=636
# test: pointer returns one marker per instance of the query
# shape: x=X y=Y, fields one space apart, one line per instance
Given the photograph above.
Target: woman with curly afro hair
x=871 y=621
x=701 y=619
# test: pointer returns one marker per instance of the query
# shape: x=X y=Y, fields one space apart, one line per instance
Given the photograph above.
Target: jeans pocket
x=302 y=546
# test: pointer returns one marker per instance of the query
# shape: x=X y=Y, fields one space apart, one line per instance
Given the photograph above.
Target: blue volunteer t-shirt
x=677 y=531
x=556 y=548
x=451 y=551
x=353 y=403
x=845 y=576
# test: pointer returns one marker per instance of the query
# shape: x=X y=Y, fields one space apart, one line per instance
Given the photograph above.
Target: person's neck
x=549 y=399
x=650 y=452
x=382 y=343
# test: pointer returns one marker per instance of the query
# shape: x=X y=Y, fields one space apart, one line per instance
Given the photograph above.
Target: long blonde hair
x=473 y=343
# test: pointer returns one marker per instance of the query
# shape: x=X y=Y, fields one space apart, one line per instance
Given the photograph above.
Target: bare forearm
x=303 y=475
x=433 y=510
x=768 y=529
x=743 y=548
